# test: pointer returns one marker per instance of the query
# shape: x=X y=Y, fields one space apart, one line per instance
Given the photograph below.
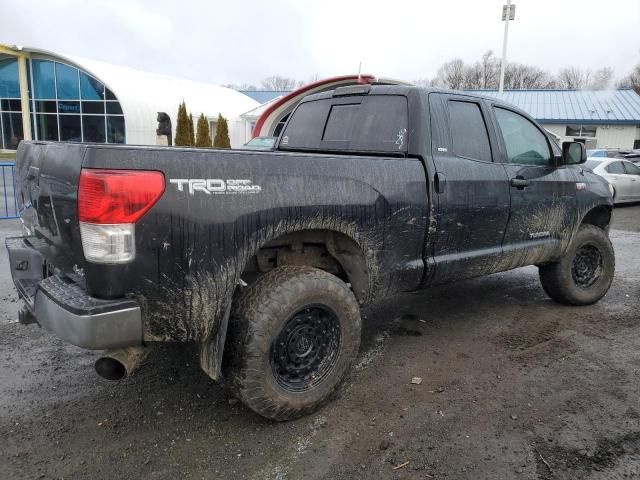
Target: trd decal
x=215 y=186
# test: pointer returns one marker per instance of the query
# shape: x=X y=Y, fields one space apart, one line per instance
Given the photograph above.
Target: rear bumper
x=63 y=307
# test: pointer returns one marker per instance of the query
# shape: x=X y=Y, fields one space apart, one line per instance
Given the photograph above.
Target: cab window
x=469 y=137
x=631 y=168
x=524 y=142
x=616 y=168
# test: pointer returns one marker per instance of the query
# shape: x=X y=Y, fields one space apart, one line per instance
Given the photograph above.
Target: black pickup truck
x=263 y=259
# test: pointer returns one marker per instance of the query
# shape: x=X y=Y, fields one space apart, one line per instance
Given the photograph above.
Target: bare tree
x=632 y=80
x=277 y=82
x=422 y=82
x=519 y=76
x=473 y=78
x=451 y=74
x=602 y=78
x=573 y=77
x=490 y=67
x=241 y=87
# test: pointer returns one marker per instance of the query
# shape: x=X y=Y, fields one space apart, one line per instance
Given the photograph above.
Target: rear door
x=633 y=175
x=471 y=191
x=543 y=196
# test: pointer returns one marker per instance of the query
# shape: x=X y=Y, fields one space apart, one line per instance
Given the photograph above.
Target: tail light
x=110 y=202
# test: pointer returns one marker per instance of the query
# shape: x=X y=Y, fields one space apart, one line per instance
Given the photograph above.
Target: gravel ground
x=514 y=386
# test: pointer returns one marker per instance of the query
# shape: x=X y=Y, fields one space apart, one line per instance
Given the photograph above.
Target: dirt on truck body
x=264 y=259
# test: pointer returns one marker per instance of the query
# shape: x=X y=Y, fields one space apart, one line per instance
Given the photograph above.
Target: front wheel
x=294 y=335
x=583 y=276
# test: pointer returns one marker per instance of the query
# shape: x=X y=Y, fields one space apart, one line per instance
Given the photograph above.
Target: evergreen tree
x=222 y=134
x=203 y=137
x=192 y=138
x=182 y=127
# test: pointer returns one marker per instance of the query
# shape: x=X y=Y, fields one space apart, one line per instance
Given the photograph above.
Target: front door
x=471 y=198
x=543 y=196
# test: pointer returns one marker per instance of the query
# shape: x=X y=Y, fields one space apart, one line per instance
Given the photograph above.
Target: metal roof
x=575 y=106
x=264 y=96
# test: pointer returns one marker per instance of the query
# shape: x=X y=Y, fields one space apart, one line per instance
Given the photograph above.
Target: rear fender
x=352 y=247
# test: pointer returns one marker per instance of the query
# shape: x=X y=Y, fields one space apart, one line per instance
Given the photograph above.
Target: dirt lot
x=514 y=386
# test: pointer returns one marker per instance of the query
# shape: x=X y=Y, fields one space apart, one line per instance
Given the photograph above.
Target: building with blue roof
x=598 y=118
x=264 y=96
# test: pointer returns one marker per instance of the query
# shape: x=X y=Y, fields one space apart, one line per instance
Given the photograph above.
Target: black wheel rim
x=587 y=266
x=306 y=349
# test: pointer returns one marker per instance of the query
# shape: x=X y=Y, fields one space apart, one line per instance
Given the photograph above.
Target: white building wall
x=607 y=136
x=616 y=136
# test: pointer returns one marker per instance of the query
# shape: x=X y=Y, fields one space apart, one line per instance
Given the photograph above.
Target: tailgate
x=47 y=176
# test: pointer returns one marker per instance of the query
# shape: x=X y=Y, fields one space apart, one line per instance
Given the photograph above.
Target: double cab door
x=499 y=200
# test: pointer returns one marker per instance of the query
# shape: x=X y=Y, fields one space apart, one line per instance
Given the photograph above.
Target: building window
x=70 y=128
x=47 y=127
x=93 y=129
x=11 y=130
x=213 y=127
x=9 y=80
x=115 y=129
x=44 y=83
x=581 y=131
x=67 y=104
x=10 y=106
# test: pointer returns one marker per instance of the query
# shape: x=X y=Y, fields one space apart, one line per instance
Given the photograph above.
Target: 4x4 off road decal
x=215 y=185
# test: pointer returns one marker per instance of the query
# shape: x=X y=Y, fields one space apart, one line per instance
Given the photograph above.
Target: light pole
x=508 y=13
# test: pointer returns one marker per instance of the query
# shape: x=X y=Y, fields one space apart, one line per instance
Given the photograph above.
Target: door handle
x=520 y=183
x=440 y=182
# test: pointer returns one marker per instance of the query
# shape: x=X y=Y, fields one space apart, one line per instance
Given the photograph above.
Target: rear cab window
x=376 y=124
x=469 y=136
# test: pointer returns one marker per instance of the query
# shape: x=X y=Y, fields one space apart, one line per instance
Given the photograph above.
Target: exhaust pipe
x=120 y=363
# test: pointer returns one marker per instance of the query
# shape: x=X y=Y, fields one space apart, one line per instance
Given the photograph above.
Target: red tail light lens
x=117 y=196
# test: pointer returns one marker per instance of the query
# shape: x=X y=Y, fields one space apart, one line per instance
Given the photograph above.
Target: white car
x=623 y=175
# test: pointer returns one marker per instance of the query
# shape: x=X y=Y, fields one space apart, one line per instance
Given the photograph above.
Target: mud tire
x=560 y=280
x=260 y=315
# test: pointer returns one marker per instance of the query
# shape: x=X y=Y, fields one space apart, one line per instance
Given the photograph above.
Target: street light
x=508 y=13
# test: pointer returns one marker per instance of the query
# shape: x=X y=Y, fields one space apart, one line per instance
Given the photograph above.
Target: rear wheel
x=583 y=276
x=294 y=335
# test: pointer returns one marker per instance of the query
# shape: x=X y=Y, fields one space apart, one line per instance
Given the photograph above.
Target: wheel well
x=598 y=216
x=327 y=250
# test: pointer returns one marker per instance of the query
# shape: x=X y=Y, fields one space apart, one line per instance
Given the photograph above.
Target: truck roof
x=382 y=89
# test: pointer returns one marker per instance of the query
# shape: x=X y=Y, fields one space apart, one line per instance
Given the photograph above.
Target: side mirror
x=573 y=153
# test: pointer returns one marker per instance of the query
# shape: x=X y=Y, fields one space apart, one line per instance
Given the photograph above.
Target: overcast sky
x=243 y=41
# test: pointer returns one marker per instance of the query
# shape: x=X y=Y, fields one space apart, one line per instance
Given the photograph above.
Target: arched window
x=71 y=105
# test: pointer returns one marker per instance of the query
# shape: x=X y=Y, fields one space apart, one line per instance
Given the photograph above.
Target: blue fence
x=8 y=202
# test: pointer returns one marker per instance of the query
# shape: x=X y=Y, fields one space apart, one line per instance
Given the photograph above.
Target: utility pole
x=508 y=13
